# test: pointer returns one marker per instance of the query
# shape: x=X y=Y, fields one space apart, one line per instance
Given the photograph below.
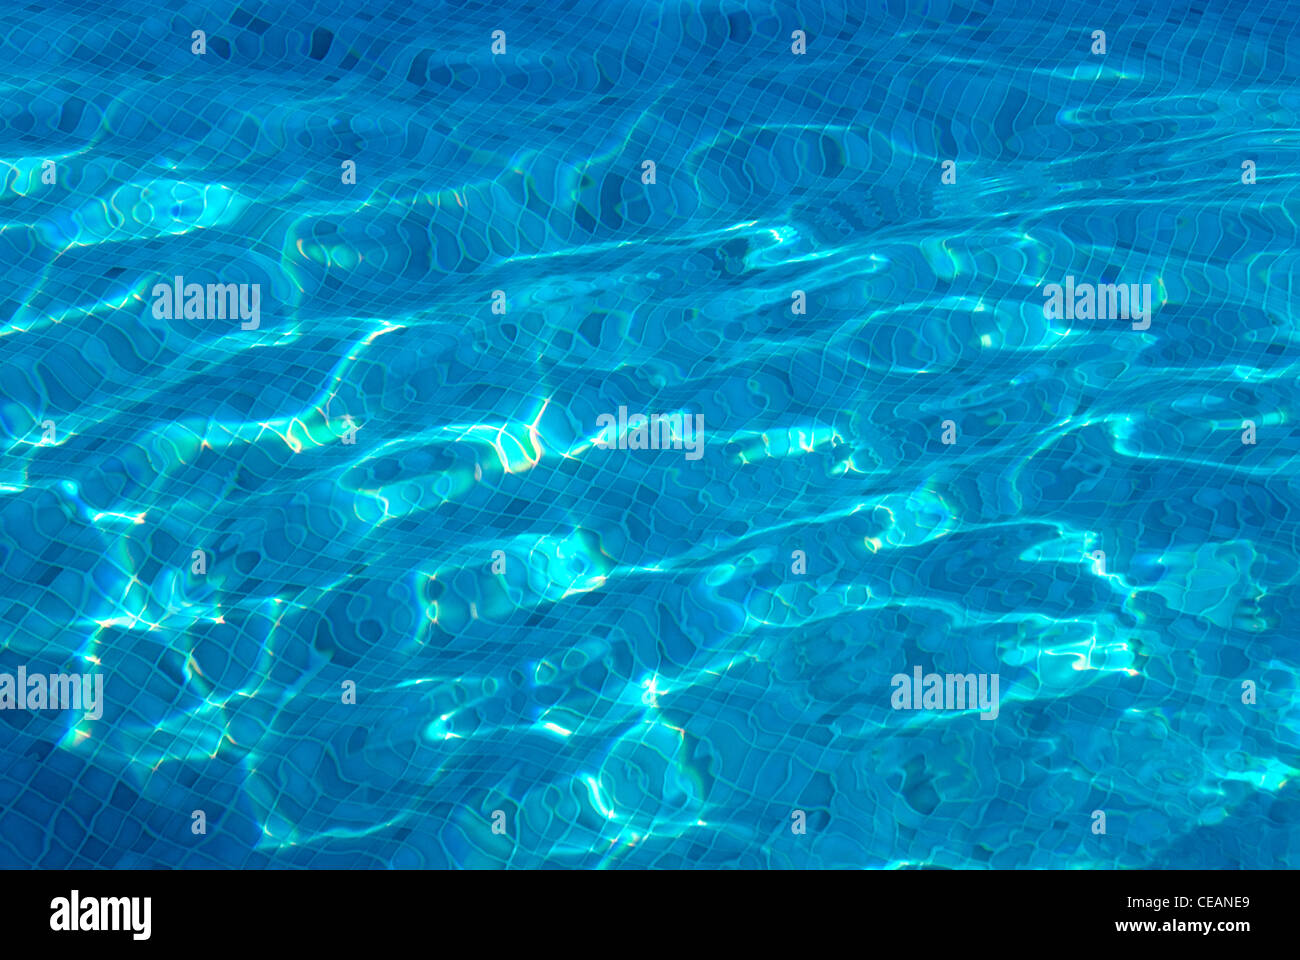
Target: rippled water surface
x=638 y=657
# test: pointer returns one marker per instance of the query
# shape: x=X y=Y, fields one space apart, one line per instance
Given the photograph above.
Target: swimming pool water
x=638 y=657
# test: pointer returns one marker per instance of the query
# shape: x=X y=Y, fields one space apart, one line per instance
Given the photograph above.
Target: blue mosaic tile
x=508 y=435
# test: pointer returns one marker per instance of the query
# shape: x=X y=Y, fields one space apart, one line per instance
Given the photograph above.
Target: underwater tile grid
x=379 y=568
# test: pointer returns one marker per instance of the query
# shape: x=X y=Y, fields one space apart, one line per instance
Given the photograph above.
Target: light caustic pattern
x=649 y=682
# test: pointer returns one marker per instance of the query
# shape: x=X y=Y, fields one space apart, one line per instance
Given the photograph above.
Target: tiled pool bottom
x=432 y=622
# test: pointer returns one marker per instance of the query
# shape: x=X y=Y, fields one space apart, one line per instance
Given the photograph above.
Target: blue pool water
x=642 y=658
